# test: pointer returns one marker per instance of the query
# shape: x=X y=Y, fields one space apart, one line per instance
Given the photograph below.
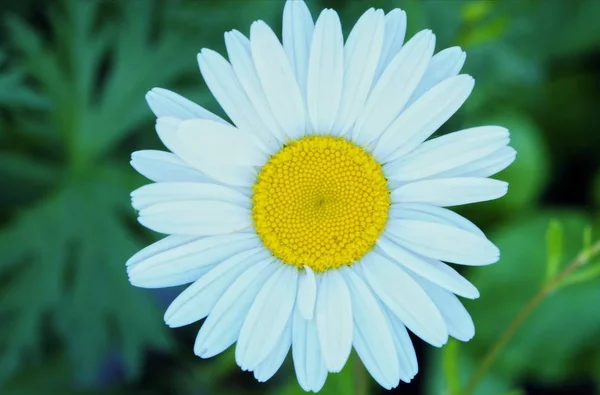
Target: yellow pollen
x=320 y=202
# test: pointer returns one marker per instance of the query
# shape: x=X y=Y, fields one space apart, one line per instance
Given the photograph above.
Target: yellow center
x=321 y=202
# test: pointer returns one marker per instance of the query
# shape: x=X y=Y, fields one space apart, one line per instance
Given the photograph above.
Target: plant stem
x=511 y=329
x=361 y=380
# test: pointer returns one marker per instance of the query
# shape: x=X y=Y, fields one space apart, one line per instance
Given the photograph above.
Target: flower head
x=315 y=220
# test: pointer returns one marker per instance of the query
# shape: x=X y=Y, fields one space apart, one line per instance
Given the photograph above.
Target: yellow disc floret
x=321 y=202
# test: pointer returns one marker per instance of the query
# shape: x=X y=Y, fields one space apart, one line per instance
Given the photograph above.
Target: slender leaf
x=554 y=248
x=586 y=273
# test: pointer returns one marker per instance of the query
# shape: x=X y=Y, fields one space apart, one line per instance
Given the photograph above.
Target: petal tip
x=200 y=352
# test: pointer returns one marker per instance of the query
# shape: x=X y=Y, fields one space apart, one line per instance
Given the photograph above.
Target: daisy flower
x=315 y=218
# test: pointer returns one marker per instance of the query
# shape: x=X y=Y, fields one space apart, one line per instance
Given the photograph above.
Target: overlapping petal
x=240 y=56
x=165 y=103
x=297 y=35
x=161 y=166
x=423 y=118
x=372 y=337
x=443 y=242
x=177 y=260
x=325 y=72
x=309 y=364
x=450 y=191
x=334 y=320
x=267 y=318
x=222 y=327
x=393 y=40
x=392 y=91
x=278 y=80
x=361 y=54
x=180 y=136
x=198 y=299
x=404 y=297
x=448 y=152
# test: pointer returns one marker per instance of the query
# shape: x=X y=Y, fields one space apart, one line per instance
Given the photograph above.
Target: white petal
x=229 y=92
x=161 y=166
x=423 y=118
x=278 y=80
x=240 y=56
x=232 y=173
x=195 y=217
x=392 y=91
x=485 y=167
x=405 y=298
x=151 y=194
x=450 y=191
x=297 y=35
x=166 y=244
x=404 y=348
x=307 y=293
x=431 y=269
x=267 y=368
x=426 y=212
x=222 y=327
x=448 y=152
x=148 y=281
x=334 y=320
x=444 y=64
x=197 y=300
x=361 y=55
x=325 y=72
x=308 y=361
x=459 y=322
x=177 y=260
x=217 y=144
x=372 y=338
x=165 y=103
x=443 y=242
x=267 y=317
x=395 y=31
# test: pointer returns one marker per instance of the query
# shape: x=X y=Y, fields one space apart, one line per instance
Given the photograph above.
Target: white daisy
x=315 y=220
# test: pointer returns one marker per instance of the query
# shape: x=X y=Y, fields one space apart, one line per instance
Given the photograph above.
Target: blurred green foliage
x=73 y=74
x=562 y=329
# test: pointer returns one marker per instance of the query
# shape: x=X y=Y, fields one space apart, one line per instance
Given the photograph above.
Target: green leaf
x=71 y=249
x=24 y=178
x=54 y=377
x=554 y=248
x=26 y=169
x=560 y=331
x=451 y=369
x=15 y=93
x=90 y=118
x=40 y=62
x=475 y=11
x=488 y=32
x=568 y=43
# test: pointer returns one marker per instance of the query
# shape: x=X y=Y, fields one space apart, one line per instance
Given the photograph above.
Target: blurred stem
x=361 y=380
x=550 y=286
x=450 y=367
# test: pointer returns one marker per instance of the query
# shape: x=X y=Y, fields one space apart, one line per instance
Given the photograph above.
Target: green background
x=73 y=75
